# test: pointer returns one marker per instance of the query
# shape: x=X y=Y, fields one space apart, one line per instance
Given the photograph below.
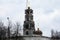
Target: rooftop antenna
x=27 y=3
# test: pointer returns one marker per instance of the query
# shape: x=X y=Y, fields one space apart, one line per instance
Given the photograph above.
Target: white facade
x=36 y=38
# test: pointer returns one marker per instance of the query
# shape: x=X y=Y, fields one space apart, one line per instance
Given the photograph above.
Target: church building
x=29 y=32
x=29 y=25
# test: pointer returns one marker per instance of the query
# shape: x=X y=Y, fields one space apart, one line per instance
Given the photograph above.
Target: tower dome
x=38 y=32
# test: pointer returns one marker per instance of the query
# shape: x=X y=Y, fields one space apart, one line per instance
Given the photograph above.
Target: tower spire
x=27 y=3
x=28 y=26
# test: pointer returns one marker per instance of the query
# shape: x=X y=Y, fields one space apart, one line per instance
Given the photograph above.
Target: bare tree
x=2 y=31
x=55 y=35
x=9 y=27
x=52 y=33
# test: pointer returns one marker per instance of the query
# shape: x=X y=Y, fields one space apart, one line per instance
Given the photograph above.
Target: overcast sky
x=46 y=13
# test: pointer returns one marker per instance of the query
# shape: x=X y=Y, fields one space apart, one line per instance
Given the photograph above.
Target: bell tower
x=28 y=27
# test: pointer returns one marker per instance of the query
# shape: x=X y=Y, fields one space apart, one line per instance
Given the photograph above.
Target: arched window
x=27 y=33
x=27 y=26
